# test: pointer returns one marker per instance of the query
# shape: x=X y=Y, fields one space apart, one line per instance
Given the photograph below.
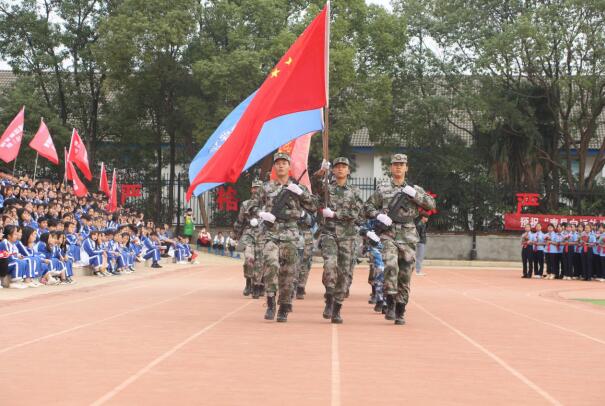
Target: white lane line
x=109 y=395
x=92 y=323
x=494 y=357
x=335 y=398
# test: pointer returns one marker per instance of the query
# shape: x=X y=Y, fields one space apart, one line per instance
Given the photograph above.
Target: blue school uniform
x=151 y=250
x=18 y=267
x=46 y=253
x=73 y=247
x=34 y=260
x=95 y=253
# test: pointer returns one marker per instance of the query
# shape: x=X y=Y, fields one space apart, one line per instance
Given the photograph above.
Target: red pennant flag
x=42 y=143
x=79 y=187
x=113 y=199
x=10 y=142
x=103 y=185
x=297 y=83
x=298 y=150
x=68 y=175
x=78 y=155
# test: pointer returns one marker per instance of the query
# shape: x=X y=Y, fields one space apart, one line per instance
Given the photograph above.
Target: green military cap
x=399 y=158
x=257 y=183
x=341 y=160
x=281 y=155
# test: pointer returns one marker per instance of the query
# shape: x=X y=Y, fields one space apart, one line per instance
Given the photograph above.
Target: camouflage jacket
x=242 y=228
x=381 y=199
x=287 y=230
x=347 y=205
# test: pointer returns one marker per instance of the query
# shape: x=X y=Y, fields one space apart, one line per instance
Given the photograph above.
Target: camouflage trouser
x=399 y=262
x=337 y=276
x=252 y=257
x=279 y=263
x=304 y=264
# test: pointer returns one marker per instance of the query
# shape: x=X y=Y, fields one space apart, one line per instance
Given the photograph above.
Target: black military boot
x=270 y=313
x=248 y=288
x=255 y=291
x=399 y=313
x=379 y=306
x=336 y=319
x=328 y=309
x=282 y=313
x=300 y=293
x=261 y=291
x=372 y=299
x=390 y=315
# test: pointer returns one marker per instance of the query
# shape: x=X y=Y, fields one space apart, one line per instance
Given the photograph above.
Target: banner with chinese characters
x=515 y=221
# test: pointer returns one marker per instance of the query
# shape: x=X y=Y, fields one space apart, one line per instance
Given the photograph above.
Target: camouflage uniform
x=280 y=254
x=399 y=242
x=250 y=241
x=305 y=253
x=337 y=237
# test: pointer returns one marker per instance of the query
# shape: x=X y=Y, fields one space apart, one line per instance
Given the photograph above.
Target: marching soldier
x=395 y=205
x=338 y=233
x=248 y=231
x=282 y=202
x=306 y=223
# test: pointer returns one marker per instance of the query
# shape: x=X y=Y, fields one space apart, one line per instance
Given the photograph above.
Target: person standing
x=338 y=232
x=282 y=202
x=537 y=242
x=421 y=246
x=526 y=252
x=188 y=225
x=395 y=205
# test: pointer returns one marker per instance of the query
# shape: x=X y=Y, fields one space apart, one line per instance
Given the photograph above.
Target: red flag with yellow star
x=297 y=83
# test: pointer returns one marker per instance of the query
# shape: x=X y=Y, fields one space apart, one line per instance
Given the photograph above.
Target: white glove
x=410 y=191
x=253 y=222
x=327 y=213
x=372 y=236
x=266 y=216
x=294 y=188
x=325 y=164
x=384 y=219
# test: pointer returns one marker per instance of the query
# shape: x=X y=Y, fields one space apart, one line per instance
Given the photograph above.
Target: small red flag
x=79 y=187
x=42 y=143
x=103 y=185
x=298 y=150
x=113 y=199
x=78 y=155
x=11 y=139
x=68 y=175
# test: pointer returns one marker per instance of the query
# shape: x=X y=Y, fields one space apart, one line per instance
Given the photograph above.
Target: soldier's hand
x=327 y=213
x=266 y=216
x=294 y=188
x=253 y=222
x=410 y=191
x=384 y=219
x=373 y=236
x=325 y=165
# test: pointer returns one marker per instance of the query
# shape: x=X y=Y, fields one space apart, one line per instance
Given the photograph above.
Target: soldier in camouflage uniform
x=248 y=231
x=400 y=237
x=338 y=233
x=305 y=252
x=281 y=234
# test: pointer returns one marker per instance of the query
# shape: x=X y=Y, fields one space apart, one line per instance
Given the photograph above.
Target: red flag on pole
x=79 y=187
x=298 y=150
x=67 y=172
x=113 y=199
x=103 y=185
x=42 y=143
x=11 y=139
x=78 y=155
x=297 y=83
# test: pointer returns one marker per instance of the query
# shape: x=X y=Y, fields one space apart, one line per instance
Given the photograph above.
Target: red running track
x=474 y=337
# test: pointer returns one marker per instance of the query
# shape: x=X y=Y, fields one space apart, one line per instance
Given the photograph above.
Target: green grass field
x=600 y=302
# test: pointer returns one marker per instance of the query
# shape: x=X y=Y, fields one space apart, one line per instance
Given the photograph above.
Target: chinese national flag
x=11 y=139
x=79 y=187
x=78 y=155
x=103 y=185
x=42 y=143
x=113 y=199
x=297 y=83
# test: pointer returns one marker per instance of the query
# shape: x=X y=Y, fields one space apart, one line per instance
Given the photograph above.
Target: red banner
x=515 y=221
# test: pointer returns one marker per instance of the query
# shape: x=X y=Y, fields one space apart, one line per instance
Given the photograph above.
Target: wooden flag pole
x=35 y=167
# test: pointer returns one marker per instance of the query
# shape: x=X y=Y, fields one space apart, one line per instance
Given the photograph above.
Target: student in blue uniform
x=537 y=242
x=551 y=252
x=26 y=247
x=152 y=249
x=72 y=239
x=96 y=256
x=587 y=240
x=19 y=268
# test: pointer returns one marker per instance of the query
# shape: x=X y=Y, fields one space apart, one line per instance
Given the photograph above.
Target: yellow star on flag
x=289 y=61
x=275 y=72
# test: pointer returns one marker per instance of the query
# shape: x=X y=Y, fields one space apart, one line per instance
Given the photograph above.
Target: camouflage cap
x=341 y=160
x=256 y=183
x=399 y=158
x=281 y=155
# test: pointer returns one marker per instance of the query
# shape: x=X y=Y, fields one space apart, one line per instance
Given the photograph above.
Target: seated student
x=97 y=258
x=231 y=244
x=219 y=244
x=106 y=244
x=165 y=242
x=182 y=252
x=204 y=239
x=54 y=271
x=84 y=227
x=127 y=251
x=25 y=218
x=114 y=242
x=20 y=268
x=72 y=239
x=26 y=247
x=60 y=252
x=42 y=226
x=152 y=249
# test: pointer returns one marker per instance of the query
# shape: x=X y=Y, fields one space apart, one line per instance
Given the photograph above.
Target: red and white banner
x=11 y=139
x=516 y=221
x=103 y=184
x=78 y=155
x=112 y=205
x=42 y=143
x=79 y=187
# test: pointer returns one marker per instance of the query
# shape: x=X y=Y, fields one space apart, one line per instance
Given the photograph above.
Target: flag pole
x=35 y=167
x=325 y=135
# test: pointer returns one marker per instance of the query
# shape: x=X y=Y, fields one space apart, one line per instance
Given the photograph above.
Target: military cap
x=281 y=155
x=399 y=158
x=257 y=183
x=341 y=160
